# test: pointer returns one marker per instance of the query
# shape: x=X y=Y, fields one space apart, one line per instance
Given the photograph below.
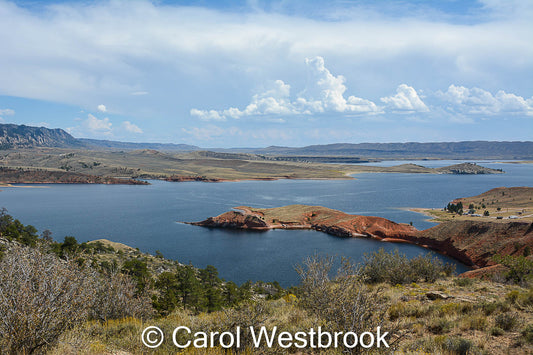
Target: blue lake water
x=147 y=216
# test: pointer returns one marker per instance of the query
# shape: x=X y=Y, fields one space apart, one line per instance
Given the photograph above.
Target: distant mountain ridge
x=130 y=145
x=22 y=136
x=411 y=150
x=13 y=136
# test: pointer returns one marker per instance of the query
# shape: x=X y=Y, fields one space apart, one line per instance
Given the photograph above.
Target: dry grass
x=151 y=164
x=499 y=202
x=154 y=164
x=482 y=318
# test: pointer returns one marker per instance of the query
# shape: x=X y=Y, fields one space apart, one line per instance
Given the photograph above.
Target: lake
x=148 y=217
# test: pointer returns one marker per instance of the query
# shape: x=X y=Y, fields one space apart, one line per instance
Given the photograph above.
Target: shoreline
x=423 y=211
x=24 y=187
x=471 y=242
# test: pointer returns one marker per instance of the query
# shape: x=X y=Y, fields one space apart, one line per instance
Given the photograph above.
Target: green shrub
x=520 y=268
x=507 y=321
x=496 y=331
x=512 y=296
x=457 y=345
x=476 y=322
x=491 y=307
x=396 y=268
x=396 y=311
x=527 y=333
x=439 y=326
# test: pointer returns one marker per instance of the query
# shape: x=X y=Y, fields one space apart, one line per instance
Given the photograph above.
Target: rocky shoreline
x=471 y=242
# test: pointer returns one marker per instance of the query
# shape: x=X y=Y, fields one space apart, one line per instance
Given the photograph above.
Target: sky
x=261 y=73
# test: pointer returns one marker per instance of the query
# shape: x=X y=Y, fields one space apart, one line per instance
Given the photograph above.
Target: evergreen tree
x=137 y=269
x=211 y=289
x=168 y=286
x=189 y=287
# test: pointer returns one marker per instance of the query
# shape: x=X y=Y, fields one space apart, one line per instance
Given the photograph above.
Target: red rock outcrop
x=472 y=242
x=310 y=217
x=476 y=242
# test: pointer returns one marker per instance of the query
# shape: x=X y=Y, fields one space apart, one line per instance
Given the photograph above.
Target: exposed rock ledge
x=471 y=242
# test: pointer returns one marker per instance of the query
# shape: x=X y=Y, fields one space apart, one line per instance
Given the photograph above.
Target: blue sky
x=260 y=73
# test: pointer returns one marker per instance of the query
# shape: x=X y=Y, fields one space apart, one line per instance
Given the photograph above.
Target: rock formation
x=471 y=242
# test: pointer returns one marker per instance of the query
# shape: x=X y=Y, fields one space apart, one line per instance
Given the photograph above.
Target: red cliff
x=471 y=242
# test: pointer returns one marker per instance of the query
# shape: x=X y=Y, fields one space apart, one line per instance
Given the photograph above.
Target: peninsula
x=474 y=243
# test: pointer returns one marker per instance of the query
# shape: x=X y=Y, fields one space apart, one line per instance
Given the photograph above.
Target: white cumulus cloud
x=102 y=108
x=324 y=93
x=94 y=127
x=207 y=115
x=97 y=125
x=130 y=127
x=479 y=101
x=406 y=99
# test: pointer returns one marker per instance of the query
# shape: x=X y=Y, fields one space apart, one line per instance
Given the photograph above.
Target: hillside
x=501 y=204
x=37 y=176
x=411 y=150
x=99 y=298
x=107 y=144
x=503 y=197
x=21 y=136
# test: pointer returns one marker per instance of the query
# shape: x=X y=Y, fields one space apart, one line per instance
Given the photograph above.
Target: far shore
x=26 y=186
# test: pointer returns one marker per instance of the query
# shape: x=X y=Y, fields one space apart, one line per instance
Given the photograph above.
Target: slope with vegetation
x=97 y=297
x=500 y=204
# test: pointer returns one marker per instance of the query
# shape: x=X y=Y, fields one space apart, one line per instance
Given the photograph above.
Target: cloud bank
x=325 y=93
x=160 y=63
x=103 y=53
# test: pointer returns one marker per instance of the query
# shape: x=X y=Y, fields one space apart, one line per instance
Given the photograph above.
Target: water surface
x=147 y=216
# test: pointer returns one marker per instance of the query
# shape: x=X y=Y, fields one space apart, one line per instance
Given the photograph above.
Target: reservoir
x=147 y=217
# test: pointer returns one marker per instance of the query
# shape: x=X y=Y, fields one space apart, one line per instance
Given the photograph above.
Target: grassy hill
x=502 y=204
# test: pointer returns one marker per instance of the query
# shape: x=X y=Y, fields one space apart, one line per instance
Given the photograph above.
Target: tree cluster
x=454 y=208
x=199 y=290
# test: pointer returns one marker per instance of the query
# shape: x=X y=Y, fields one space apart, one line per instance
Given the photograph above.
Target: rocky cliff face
x=476 y=242
x=235 y=220
x=15 y=136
